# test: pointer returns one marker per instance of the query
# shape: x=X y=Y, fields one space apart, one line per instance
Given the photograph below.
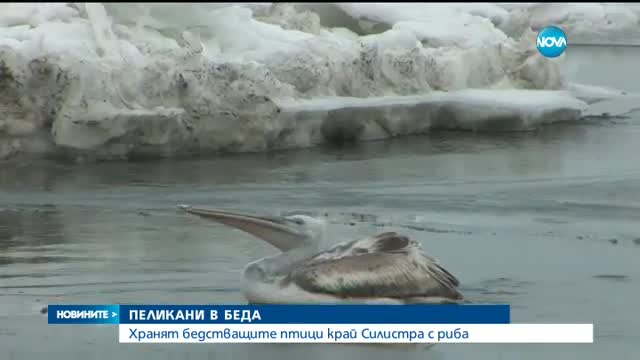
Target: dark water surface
x=544 y=221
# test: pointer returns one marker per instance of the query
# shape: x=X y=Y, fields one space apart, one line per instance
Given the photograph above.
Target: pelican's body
x=387 y=268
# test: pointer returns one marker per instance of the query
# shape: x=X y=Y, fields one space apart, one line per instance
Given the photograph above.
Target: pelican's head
x=312 y=229
x=283 y=232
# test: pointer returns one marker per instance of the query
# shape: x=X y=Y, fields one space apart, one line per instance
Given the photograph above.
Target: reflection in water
x=444 y=153
x=31 y=227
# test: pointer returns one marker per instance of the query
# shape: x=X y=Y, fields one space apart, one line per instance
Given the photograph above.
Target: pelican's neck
x=280 y=264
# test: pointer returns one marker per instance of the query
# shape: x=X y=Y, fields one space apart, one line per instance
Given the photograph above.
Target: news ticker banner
x=317 y=324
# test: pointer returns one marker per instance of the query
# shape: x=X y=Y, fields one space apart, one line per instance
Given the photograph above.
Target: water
x=544 y=221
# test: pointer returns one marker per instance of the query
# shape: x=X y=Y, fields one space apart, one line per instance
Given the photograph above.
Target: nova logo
x=552 y=42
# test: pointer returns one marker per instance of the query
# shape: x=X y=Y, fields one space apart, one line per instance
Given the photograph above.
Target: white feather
x=363 y=271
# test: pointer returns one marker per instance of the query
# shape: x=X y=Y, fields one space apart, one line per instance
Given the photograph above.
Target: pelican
x=388 y=268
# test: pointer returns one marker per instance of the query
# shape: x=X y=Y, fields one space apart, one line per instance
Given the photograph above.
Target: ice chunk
x=120 y=79
x=13 y=14
x=595 y=23
x=296 y=124
x=592 y=94
x=433 y=23
x=354 y=119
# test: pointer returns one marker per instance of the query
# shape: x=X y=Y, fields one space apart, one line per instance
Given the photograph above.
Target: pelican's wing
x=385 y=266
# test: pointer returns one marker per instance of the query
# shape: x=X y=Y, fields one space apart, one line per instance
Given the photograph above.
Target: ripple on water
x=35 y=260
x=497 y=290
x=612 y=277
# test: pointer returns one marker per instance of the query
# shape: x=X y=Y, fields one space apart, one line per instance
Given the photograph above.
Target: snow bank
x=586 y=23
x=303 y=123
x=339 y=120
x=163 y=79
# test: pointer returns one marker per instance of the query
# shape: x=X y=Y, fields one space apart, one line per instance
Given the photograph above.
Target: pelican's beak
x=274 y=230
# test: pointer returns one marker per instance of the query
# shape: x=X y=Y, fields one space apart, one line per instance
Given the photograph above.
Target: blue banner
x=279 y=314
x=84 y=314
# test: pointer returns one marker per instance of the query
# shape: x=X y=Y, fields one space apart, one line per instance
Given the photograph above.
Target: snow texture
x=106 y=81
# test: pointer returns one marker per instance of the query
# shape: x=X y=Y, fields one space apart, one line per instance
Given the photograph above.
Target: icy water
x=544 y=221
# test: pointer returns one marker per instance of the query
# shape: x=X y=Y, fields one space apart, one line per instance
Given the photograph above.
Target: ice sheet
x=117 y=78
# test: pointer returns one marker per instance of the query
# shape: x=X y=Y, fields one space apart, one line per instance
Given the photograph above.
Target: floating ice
x=592 y=94
x=114 y=80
